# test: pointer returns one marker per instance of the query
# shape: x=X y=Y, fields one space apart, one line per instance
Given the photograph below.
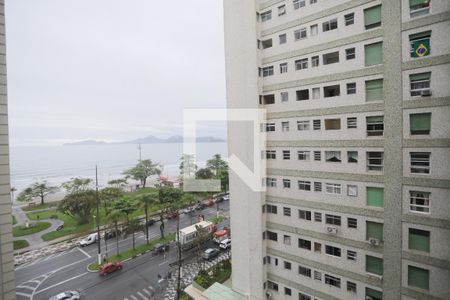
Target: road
x=64 y=271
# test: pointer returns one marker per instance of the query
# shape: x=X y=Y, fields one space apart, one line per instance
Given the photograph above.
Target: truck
x=188 y=234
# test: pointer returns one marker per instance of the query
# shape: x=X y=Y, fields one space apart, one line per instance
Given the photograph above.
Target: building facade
x=7 y=284
x=357 y=96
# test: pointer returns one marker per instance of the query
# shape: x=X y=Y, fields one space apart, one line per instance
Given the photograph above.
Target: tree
x=133 y=225
x=187 y=165
x=37 y=190
x=204 y=173
x=127 y=206
x=216 y=164
x=146 y=200
x=118 y=183
x=201 y=237
x=224 y=179
x=108 y=196
x=169 y=198
x=115 y=216
x=78 y=184
x=143 y=170
x=79 y=205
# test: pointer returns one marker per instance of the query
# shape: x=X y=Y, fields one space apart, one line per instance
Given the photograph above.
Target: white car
x=225 y=244
x=90 y=239
x=188 y=210
x=226 y=197
x=69 y=295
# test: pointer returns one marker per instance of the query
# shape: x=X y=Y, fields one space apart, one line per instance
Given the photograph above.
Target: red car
x=210 y=202
x=173 y=215
x=110 y=267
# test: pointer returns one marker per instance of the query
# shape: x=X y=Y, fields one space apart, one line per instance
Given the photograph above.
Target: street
x=48 y=276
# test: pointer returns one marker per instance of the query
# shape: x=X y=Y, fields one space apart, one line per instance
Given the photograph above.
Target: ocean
x=57 y=164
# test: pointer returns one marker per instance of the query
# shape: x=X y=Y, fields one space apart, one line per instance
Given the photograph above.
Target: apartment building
x=357 y=97
x=7 y=284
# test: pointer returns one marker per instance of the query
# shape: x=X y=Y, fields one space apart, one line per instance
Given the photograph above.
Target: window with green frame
x=374 y=294
x=418 y=277
x=373 y=54
x=372 y=17
x=419 y=240
x=374 y=230
x=374 y=90
x=375 y=196
x=374 y=265
x=420 y=123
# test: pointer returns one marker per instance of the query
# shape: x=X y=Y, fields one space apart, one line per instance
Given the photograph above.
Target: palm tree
x=115 y=216
x=133 y=225
x=145 y=201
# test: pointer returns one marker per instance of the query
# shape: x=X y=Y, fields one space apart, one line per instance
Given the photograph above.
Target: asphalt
x=138 y=280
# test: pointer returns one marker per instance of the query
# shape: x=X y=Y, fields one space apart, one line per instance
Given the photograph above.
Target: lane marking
x=133 y=297
x=147 y=292
x=142 y=296
x=163 y=263
x=84 y=252
x=59 y=283
x=25 y=287
x=23 y=294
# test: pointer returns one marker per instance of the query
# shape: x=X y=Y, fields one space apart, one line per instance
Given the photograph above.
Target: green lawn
x=40 y=206
x=139 y=249
x=14 y=221
x=20 y=244
x=34 y=228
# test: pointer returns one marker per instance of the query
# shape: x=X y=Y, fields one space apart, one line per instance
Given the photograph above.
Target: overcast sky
x=111 y=69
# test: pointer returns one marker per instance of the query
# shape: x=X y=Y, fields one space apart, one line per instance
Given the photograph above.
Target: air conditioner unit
x=268 y=295
x=332 y=230
x=425 y=93
x=374 y=241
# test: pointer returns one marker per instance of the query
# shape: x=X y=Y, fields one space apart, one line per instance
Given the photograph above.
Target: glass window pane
x=418 y=277
x=373 y=54
x=372 y=16
x=420 y=123
x=419 y=240
x=374 y=265
x=375 y=196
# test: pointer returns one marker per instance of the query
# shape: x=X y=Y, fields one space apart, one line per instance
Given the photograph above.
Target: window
x=287 y=239
x=271 y=182
x=281 y=10
x=271 y=209
x=304 y=214
x=420 y=123
x=331 y=280
x=302 y=95
x=329 y=25
x=304 y=244
x=374 y=294
x=269 y=127
x=375 y=196
x=300 y=34
x=317 y=186
x=304 y=271
x=374 y=265
x=420 y=44
x=301 y=64
x=302 y=296
x=420 y=84
x=282 y=38
x=266 y=259
x=333 y=219
x=373 y=54
x=312 y=1
x=266 y=44
x=317 y=247
x=419 y=240
x=284 y=96
x=303 y=155
x=283 y=68
x=352 y=156
x=334 y=251
x=419 y=7
x=351 y=287
x=315 y=61
x=350 y=53
x=318 y=217
x=273 y=236
x=317 y=156
x=419 y=202
x=287 y=265
x=299 y=3
x=316 y=93
x=303 y=125
x=286 y=154
x=287 y=291
x=374 y=90
x=271 y=154
x=314 y=29
x=287 y=210
x=267 y=71
x=316 y=124
x=317 y=275
x=372 y=17
x=352 y=190
x=420 y=162
x=351 y=88
x=332 y=124
x=272 y=285
x=418 y=277
x=333 y=156
x=266 y=16
x=351 y=255
x=305 y=186
x=352 y=123
x=330 y=58
x=285 y=126
x=267 y=99
x=375 y=125
x=374 y=230
x=331 y=91
x=375 y=161
x=333 y=188
x=349 y=19
x=352 y=223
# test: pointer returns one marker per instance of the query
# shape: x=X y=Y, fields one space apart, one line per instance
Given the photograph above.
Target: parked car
x=188 y=210
x=110 y=268
x=200 y=206
x=173 y=215
x=220 y=235
x=151 y=222
x=219 y=199
x=90 y=239
x=161 y=248
x=210 y=202
x=225 y=244
x=109 y=235
x=68 y=295
x=226 y=197
x=210 y=253
x=60 y=227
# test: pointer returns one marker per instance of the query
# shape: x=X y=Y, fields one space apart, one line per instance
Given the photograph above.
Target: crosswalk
x=27 y=289
x=147 y=293
x=42 y=259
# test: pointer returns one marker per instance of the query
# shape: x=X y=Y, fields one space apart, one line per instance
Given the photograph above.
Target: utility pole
x=140 y=151
x=99 y=239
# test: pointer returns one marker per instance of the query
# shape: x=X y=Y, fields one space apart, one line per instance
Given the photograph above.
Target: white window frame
x=370 y=165
x=300 y=34
x=303 y=125
x=281 y=10
x=317 y=124
x=283 y=68
x=266 y=16
x=422 y=85
x=299 y=3
x=301 y=64
x=287 y=239
x=352 y=89
x=315 y=62
x=269 y=127
x=415 y=196
x=352 y=255
x=303 y=185
x=286 y=154
x=317 y=155
x=271 y=154
x=285 y=126
x=331 y=154
x=349 y=19
x=282 y=38
x=303 y=155
x=267 y=71
x=314 y=29
x=286 y=183
x=350 y=53
x=284 y=96
x=333 y=188
x=271 y=182
x=331 y=279
x=327 y=25
x=352 y=122
x=352 y=190
x=420 y=165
